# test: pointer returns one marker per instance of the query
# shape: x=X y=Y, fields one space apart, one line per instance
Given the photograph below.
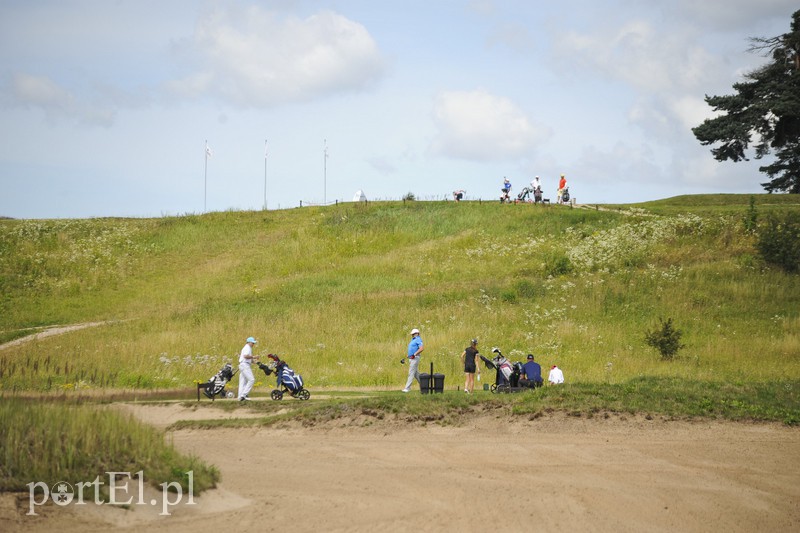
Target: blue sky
x=105 y=106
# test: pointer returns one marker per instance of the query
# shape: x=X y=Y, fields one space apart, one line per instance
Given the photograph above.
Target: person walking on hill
x=470 y=366
x=415 y=348
x=246 y=379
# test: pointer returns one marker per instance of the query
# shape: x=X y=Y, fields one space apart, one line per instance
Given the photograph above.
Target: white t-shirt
x=247 y=350
x=556 y=375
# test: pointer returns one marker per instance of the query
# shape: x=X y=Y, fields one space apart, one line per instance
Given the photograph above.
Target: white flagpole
x=325 y=176
x=205 y=182
x=265 y=174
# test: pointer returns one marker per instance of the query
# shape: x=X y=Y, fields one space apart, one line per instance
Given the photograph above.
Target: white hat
x=415 y=331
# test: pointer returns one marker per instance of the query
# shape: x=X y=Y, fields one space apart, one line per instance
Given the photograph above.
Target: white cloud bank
x=476 y=125
x=254 y=58
x=41 y=92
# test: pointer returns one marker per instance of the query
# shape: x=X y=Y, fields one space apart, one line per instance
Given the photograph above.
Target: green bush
x=779 y=241
x=666 y=339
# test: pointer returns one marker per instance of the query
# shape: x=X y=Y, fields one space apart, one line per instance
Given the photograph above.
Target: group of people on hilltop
x=531 y=374
x=562 y=195
x=535 y=189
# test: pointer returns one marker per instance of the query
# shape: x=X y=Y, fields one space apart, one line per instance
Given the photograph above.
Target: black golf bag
x=565 y=195
x=216 y=385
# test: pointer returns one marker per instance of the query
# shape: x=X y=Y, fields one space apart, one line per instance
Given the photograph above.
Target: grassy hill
x=336 y=289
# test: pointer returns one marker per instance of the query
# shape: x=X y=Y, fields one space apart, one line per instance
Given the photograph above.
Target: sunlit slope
x=336 y=289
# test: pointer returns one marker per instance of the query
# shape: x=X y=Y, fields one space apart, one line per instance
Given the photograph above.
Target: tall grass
x=336 y=289
x=64 y=441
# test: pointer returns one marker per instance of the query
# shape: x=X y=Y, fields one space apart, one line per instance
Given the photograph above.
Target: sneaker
x=244 y=399
x=406 y=390
x=465 y=390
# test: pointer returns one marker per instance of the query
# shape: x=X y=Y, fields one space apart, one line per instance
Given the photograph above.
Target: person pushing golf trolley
x=415 y=348
x=246 y=378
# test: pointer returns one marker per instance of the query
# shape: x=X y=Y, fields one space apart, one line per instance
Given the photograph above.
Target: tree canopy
x=764 y=112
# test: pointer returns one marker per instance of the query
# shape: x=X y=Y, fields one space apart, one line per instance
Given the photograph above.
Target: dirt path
x=53 y=330
x=554 y=473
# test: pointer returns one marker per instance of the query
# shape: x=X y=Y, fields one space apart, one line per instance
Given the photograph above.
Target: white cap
x=415 y=331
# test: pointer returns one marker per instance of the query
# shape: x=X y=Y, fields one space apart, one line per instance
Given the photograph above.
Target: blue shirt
x=414 y=345
x=532 y=371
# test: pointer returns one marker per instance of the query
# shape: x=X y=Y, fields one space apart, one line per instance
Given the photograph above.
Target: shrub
x=666 y=339
x=779 y=241
x=409 y=197
x=751 y=217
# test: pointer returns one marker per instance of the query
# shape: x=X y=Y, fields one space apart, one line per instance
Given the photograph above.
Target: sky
x=107 y=106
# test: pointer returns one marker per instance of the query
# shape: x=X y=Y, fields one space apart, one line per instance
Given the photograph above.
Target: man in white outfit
x=246 y=378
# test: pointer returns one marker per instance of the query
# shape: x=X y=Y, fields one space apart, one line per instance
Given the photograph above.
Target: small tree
x=409 y=197
x=666 y=339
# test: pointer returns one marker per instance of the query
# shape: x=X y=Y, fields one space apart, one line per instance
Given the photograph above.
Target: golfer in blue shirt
x=415 y=348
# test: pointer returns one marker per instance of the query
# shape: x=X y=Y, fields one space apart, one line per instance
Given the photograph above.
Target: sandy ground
x=552 y=473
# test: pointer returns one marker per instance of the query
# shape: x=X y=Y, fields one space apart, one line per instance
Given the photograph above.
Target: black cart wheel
x=276 y=395
x=304 y=394
x=493 y=388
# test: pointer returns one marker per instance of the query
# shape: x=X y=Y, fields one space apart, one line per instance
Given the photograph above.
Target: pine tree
x=766 y=107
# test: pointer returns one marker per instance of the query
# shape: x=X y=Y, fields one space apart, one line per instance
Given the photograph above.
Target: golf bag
x=523 y=196
x=537 y=195
x=216 y=385
x=503 y=366
x=565 y=195
x=288 y=380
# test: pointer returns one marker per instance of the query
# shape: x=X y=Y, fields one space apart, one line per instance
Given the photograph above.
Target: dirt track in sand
x=367 y=474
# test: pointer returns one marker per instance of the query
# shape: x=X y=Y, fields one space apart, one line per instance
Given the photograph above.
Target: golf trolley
x=288 y=381
x=507 y=379
x=215 y=386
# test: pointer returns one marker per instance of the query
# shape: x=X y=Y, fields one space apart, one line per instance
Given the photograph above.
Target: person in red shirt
x=562 y=183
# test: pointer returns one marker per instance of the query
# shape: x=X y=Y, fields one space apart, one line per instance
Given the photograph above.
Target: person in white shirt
x=556 y=376
x=246 y=378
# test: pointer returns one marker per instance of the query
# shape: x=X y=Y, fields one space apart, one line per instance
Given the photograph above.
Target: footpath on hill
x=552 y=473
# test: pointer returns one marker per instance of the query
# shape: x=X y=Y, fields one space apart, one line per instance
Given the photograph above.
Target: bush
x=779 y=241
x=409 y=197
x=665 y=339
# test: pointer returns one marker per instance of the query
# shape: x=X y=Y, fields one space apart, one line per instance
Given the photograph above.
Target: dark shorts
x=470 y=369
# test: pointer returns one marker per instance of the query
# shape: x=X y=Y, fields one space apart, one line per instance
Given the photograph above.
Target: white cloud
x=477 y=125
x=56 y=102
x=637 y=53
x=731 y=14
x=253 y=58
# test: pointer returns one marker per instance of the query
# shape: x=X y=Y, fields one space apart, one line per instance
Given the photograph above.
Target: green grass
x=662 y=397
x=336 y=289
x=53 y=441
